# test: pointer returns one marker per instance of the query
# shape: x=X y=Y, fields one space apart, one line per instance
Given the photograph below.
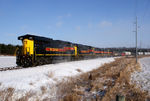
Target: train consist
x=37 y=50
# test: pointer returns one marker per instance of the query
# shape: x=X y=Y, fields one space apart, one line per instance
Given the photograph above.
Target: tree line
x=11 y=49
x=8 y=49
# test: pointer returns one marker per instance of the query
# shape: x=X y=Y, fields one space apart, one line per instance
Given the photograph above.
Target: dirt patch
x=104 y=84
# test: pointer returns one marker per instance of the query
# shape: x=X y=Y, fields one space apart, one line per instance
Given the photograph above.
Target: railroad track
x=10 y=68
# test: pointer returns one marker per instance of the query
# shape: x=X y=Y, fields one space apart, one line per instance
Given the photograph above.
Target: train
x=39 y=50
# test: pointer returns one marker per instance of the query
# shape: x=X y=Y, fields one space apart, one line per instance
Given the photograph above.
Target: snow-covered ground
x=7 y=61
x=142 y=78
x=32 y=79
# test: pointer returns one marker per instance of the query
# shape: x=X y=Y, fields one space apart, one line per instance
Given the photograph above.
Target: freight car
x=37 y=50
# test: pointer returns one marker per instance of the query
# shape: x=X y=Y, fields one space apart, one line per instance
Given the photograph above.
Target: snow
x=33 y=78
x=7 y=61
x=142 y=78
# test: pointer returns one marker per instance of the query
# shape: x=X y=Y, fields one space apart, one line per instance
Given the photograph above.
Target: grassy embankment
x=104 y=83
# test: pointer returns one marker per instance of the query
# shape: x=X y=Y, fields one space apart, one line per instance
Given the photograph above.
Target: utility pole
x=136 y=39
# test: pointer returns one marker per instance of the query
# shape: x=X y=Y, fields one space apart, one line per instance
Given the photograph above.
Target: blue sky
x=100 y=23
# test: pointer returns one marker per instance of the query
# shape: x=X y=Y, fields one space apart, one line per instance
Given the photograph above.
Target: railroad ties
x=10 y=68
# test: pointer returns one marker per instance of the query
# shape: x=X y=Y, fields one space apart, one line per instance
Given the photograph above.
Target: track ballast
x=10 y=68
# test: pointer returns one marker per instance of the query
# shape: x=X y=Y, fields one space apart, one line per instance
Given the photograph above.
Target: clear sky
x=100 y=23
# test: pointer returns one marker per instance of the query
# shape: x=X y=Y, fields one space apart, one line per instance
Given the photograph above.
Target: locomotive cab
x=28 y=47
x=25 y=55
x=31 y=46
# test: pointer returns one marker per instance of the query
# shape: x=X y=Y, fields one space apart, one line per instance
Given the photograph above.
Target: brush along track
x=10 y=68
x=104 y=83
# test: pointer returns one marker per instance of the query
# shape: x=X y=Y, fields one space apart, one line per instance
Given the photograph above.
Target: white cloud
x=59 y=24
x=105 y=24
x=78 y=28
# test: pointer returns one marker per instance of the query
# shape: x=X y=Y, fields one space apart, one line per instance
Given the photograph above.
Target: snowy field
x=7 y=61
x=142 y=78
x=32 y=79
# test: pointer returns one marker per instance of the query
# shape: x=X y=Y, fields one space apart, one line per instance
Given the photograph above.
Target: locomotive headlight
x=21 y=38
x=30 y=37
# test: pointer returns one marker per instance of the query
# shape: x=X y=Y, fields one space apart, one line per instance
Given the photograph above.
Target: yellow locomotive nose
x=28 y=47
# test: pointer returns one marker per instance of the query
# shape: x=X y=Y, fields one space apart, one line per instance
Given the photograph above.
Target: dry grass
x=55 y=79
x=108 y=81
x=6 y=94
x=50 y=74
x=123 y=87
x=31 y=83
x=64 y=87
x=43 y=89
x=27 y=96
x=79 y=70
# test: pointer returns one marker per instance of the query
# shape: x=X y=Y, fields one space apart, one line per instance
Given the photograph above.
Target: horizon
x=78 y=43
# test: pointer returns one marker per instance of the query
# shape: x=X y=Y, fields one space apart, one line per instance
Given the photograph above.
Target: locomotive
x=38 y=50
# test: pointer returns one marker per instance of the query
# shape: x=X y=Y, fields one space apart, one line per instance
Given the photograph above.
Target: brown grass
x=79 y=70
x=55 y=79
x=107 y=81
x=31 y=83
x=43 y=89
x=6 y=94
x=64 y=87
x=50 y=74
x=27 y=96
x=123 y=87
